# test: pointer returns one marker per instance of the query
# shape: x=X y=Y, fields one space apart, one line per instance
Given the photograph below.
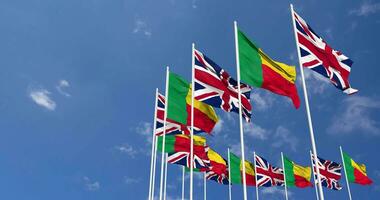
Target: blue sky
x=77 y=88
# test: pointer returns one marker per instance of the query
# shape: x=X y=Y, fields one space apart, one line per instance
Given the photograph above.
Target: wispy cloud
x=127 y=149
x=62 y=85
x=316 y=83
x=91 y=185
x=283 y=137
x=355 y=114
x=194 y=4
x=42 y=98
x=255 y=131
x=261 y=100
x=275 y=191
x=130 y=180
x=145 y=129
x=366 y=8
x=142 y=28
x=218 y=127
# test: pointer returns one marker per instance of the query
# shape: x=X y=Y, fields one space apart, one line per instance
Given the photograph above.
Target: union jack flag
x=329 y=173
x=218 y=173
x=267 y=175
x=214 y=86
x=172 y=127
x=317 y=55
x=201 y=160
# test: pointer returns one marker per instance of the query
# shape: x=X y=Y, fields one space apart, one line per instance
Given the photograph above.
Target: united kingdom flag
x=214 y=86
x=317 y=55
x=201 y=160
x=267 y=175
x=330 y=173
x=172 y=127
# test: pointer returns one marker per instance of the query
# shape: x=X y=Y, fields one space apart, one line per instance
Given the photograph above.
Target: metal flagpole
x=166 y=174
x=183 y=183
x=312 y=169
x=240 y=110
x=283 y=167
x=257 y=186
x=192 y=122
x=204 y=187
x=345 y=173
x=229 y=175
x=154 y=165
x=152 y=160
x=314 y=148
x=164 y=132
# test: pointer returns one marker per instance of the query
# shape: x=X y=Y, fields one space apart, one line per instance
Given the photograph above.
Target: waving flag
x=329 y=173
x=218 y=170
x=215 y=87
x=172 y=127
x=236 y=168
x=356 y=173
x=259 y=70
x=267 y=175
x=317 y=55
x=296 y=175
x=178 y=149
x=179 y=105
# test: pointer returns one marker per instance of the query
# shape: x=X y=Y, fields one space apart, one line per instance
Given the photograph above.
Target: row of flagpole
x=163 y=176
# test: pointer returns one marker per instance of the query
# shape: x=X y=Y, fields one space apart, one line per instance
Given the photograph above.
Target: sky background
x=77 y=86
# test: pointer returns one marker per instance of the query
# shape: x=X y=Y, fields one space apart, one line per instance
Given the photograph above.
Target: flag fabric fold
x=179 y=106
x=218 y=170
x=356 y=173
x=330 y=173
x=259 y=70
x=178 y=149
x=268 y=175
x=236 y=167
x=318 y=56
x=296 y=175
x=214 y=86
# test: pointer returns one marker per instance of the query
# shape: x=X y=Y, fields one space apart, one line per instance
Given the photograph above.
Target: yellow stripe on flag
x=286 y=71
x=249 y=168
x=304 y=172
x=360 y=167
x=204 y=108
x=213 y=156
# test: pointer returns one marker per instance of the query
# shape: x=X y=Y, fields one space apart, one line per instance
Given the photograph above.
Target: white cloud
x=366 y=8
x=130 y=180
x=91 y=185
x=355 y=114
x=255 y=131
x=62 y=84
x=315 y=82
x=145 y=129
x=218 y=127
x=127 y=149
x=141 y=27
x=275 y=191
x=283 y=137
x=328 y=33
x=41 y=97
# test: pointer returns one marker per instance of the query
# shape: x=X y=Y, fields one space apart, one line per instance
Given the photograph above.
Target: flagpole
x=192 y=122
x=257 y=186
x=345 y=173
x=229 y=175
x=166 y=174
x=240 y=110
x=204 y=187
x=183 y=183
x=312 y=169
x=283 y=167
x=314 y=148
x=154 y=162
x=164 y=133
x=151 y=184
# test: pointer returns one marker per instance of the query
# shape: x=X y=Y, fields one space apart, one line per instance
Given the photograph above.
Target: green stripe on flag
x=235 y=169
x=178 y=90
x=169 y=143
x=349 y=168
x=289 y=173
x=250 y=61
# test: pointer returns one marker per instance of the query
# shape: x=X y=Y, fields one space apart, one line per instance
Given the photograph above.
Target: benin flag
x=179 y=106
x=236 y=168
x=181 y=143
x=296 y=175
x=356 y=173
x=259 y=70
